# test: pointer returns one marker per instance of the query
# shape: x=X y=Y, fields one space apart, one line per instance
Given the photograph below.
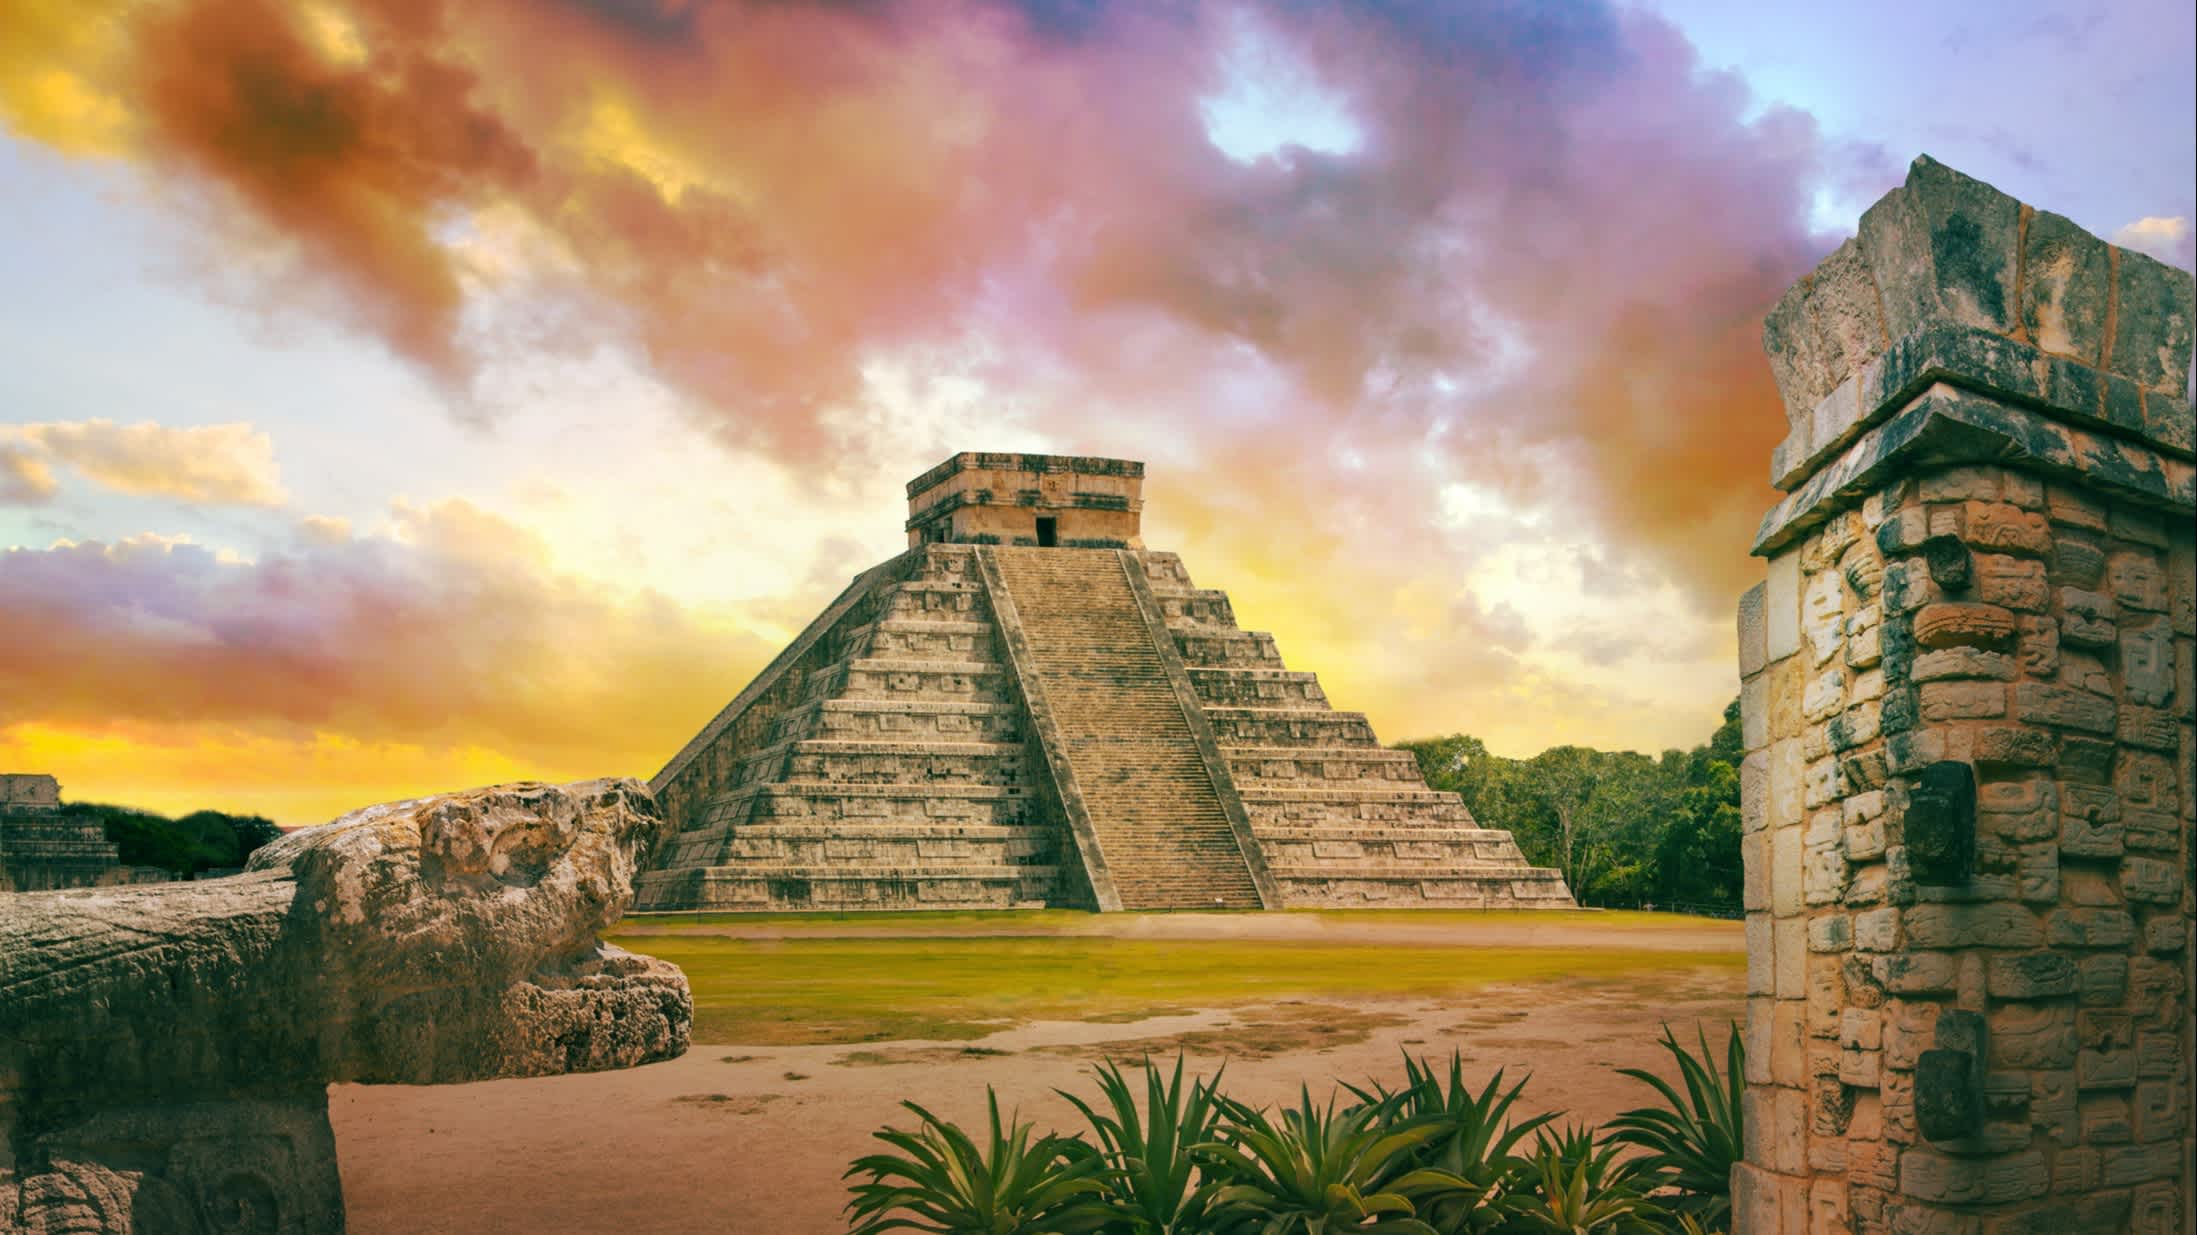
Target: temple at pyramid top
x=1045 y=501
x=1029 y=708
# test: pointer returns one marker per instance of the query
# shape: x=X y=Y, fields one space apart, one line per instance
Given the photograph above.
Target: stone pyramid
x=1028 y=708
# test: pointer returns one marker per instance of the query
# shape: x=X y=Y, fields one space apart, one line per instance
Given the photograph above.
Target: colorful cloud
x=1439 y=325
x=222 y=465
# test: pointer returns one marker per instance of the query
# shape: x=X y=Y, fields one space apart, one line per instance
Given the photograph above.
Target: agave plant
x=1581 y=1188
x=1319 y=1171
x=1475 y=1142
x=1148 y=1152
x=942 y=1183
x=1691 y=1142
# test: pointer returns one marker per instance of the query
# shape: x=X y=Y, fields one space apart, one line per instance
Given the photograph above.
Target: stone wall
x=1968 y=710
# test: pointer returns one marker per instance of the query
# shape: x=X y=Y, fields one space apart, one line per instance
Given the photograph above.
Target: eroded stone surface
x=2014 y=1037
x=166 y=1049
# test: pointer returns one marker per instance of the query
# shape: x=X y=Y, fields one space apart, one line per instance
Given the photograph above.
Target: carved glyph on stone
x=165 y=1050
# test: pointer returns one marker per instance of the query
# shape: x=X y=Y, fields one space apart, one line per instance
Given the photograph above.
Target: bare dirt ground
x=751 y=1140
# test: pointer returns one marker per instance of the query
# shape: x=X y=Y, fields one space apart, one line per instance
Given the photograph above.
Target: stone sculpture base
x=258 y=1166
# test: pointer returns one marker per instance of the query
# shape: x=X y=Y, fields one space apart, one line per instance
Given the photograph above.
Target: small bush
x=1434 y=1156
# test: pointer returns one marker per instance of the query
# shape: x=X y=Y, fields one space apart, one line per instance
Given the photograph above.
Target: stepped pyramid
x=1028 y=708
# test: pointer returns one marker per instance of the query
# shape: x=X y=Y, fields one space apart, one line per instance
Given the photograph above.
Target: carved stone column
x=1968 y=711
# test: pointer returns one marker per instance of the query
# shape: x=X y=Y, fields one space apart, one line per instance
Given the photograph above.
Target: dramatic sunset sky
x=397 y=395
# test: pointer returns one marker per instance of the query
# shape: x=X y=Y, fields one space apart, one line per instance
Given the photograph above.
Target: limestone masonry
x=1028 y=708
x=1968 y=705
x=41 y=848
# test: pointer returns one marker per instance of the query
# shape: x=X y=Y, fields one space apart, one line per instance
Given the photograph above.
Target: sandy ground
x=752 y=1140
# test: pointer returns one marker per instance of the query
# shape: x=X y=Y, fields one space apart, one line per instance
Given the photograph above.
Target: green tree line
x=201 y=840
x=1623 y=828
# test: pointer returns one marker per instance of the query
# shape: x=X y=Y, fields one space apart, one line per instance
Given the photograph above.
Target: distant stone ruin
x=1029 y=708
x=1971 y=724
x=165 y=1051
x=41 y=848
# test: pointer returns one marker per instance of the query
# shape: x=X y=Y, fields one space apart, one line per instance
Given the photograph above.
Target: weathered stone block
x=2061 y=707
x=1926 y=973
x=2148 y=881
x=1786 y=775
x=1789 y=936
x=1964 y=662
x=1823 y=617
x=1831 y=933
x=2019 y=810
x=2101 y=981
x=1826 y=693
x=1754 y=630
x=2025 y=1035
x=2084 y=760
x=2151 y=343
x=1781 y=606
x=1962 y=700
x=2090 y=823
x=2030 y=975
x=2135 y=580
x=1942 y=248
x=1929 y=1175
x=1989 y=925
x=2012 y=583
x=2076 y=561
x=2066 y=289
x=2087 y=618
x=1762 y=954
x=2147 y=666
x=2090 y=928
x=2150 y=728
x=1964 y=624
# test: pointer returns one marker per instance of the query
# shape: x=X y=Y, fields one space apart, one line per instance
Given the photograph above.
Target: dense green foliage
x=1623 y=828
x=1433 y=1157
x=201 y=840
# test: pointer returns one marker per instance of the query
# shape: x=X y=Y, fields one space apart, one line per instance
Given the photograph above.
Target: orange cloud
x=452 y=634
x=25 y=479
x=231 y=464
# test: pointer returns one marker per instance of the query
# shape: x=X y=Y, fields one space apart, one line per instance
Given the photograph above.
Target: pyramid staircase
x=1157 y=818
x=970 y=726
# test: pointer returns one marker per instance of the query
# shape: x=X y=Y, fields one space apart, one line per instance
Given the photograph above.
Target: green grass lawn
x=947 y=979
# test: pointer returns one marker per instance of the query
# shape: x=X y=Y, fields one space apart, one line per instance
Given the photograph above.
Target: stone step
x=1242 y=726
x=1301 y=807
x=904 y=763
x=1194 y=607
x=1210 y=647
x=904 y=803
x=934 y=600
x=788 y=888
x=1165 y=570
x=855 y=848
x=1414 y=848
x=1325 y=887
x=872 y=677
x=900 y=720
x=1278 y=767
x=1268 y=688
x=1158 y=820
x=882 y=761
x=922 y=639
